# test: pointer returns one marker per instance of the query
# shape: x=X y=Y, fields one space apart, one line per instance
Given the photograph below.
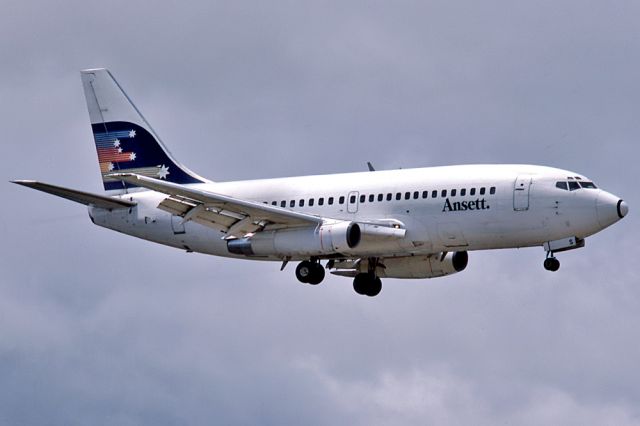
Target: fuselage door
x=521 y=189
x=352 y=202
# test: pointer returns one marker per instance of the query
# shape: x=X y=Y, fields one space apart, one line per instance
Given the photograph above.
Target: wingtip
x=25 y=182
x=90 y=70
x=122 y=175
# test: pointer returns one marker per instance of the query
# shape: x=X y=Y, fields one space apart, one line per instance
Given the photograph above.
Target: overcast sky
x=101 y=328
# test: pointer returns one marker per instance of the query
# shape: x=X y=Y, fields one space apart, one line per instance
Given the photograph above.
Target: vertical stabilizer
x=125 y=142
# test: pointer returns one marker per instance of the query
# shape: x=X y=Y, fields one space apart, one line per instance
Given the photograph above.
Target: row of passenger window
x=388 y=197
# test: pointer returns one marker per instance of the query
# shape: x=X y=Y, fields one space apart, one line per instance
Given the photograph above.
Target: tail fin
x=124 y=139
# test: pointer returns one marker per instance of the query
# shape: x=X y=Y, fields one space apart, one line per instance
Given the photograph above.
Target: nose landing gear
x=551 y=263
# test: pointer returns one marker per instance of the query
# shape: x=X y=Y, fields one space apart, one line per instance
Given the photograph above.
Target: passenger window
x=389 y=196
x=425 y=194
x=492 y=190
x=453 y=192
x=416 y=195
x=283 y=203
x=482 y=191
x=573 y=185
x=311 y=202
x=371 y=198
x=363 y=198
x=407 y=195
x=398 y=195
x=463 y=192
x=321 y=201
x=341 y=199
x=301 y=203
x=292 y=203
x=434 y=194
x=330 y=201
x=444 y=193
x=380 y=197
x=352 y=199
x=472 y=191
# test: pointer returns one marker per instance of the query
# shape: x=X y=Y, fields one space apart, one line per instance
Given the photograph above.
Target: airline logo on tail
x=110 y=149
x=124 y=146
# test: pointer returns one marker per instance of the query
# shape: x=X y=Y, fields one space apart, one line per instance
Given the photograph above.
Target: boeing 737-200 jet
x=411 y=223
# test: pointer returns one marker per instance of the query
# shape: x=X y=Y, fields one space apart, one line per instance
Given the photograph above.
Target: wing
x=234 y=216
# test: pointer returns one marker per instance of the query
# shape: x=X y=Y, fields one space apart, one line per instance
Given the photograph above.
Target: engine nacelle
x=424 y=266
x=327 y=239
x=336 y=237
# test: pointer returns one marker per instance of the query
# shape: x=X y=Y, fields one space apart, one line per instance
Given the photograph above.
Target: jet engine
x=339 y=237
x=425 y=266
x=430 y=266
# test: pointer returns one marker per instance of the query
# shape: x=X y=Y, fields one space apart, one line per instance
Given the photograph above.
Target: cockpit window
x=573 y=185
x=588 y=185
x=561 y=185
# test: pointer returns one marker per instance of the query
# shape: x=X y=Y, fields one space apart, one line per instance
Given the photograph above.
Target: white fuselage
x=493 y=206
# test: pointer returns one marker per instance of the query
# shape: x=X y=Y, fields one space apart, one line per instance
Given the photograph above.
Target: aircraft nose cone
x=610 y=209
x=623 y=208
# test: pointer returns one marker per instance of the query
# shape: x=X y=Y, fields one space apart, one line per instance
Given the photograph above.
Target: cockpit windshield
x=572 y=185
x=588 y=185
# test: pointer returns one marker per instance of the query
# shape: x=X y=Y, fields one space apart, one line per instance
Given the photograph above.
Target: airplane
x=407 y=223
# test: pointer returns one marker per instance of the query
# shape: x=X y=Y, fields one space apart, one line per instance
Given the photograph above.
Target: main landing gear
x=310 y=272
x=551 y=263
x=367 y=284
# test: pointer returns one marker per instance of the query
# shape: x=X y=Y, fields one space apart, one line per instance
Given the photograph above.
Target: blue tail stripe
x=135 y=148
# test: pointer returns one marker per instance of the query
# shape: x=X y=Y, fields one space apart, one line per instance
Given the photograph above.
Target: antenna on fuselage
x=371 y=168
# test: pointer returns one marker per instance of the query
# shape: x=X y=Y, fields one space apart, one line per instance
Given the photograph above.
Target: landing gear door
x=521 y=189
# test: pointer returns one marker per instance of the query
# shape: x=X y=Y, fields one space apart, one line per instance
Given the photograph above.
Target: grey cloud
x=97 y=327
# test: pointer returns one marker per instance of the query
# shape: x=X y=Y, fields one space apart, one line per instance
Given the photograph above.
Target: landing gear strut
x=551 y=263
x=310 y=272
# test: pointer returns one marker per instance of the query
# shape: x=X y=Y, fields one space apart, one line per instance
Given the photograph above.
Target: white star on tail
x=116 y=143
x=110 y=166
x=132 y=134
x=132 y=156
x=163 y=171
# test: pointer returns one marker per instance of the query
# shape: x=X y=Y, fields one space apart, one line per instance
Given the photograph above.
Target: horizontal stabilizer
x=81 y=197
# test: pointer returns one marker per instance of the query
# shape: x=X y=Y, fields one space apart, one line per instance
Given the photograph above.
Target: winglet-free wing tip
x=24 y=182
